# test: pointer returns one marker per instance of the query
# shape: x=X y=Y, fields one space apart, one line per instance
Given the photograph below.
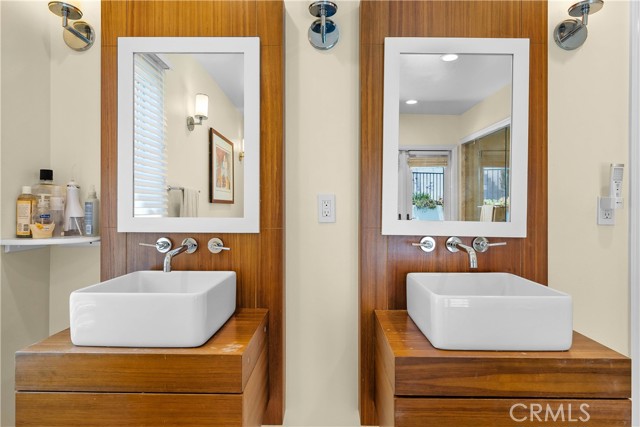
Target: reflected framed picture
x=220 y=168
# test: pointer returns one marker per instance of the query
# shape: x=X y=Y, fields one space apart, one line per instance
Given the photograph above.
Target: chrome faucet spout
x=454 y=244
x=189 y=246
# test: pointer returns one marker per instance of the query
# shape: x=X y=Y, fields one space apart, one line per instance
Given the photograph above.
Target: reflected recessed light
x=411 y=101
x=449 y=57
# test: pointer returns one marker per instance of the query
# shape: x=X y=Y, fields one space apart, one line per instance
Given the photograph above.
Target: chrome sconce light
x=78 y=35
x=202 y=111
x=570 y=34
x=323 y=33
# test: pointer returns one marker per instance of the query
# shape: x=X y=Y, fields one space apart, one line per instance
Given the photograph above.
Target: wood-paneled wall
x=258 y=259
x=385 y=260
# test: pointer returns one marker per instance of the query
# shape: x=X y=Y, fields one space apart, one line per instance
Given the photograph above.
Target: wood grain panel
x=373 y=249
x=587 y=370
x=372 y=85
x=498 y=412
x=254 y=398
x=506 y=19
x=222 y=365
x=534 y=264
x=372 y=29
x=112 y=263
x=120 y=251
x=111 y=28
x=270 y=22
x=525 y=257
x=128 y=409
x=109 y=143
x=272 y=249
x=271 y=141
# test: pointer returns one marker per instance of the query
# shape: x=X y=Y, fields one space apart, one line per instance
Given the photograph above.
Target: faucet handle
x=481 y=244
x=216 y=246
x=191 y=245
x=427 y=244
x=162 y=245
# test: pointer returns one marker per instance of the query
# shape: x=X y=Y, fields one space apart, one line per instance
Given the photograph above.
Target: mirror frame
x=519 y=49
x=250 y=47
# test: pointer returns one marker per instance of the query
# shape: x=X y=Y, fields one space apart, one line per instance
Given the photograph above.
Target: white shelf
x=15 y=244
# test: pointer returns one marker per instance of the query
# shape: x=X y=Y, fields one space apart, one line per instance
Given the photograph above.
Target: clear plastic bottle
x=55 y=195
x=91 y=214
x=25 y=207
x=42 y=215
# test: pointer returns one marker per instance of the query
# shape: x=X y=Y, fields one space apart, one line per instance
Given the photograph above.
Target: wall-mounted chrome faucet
x=454 y=244
x=188 y=245
x=323 y=33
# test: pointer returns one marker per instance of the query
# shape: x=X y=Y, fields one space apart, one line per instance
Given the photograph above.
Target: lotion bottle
x=92 y=214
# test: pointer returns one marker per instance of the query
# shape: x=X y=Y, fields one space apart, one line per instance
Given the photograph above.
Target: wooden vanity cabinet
x=220 y=384
x=419 y=385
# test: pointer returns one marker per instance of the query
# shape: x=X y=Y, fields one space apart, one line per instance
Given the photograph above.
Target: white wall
x=431 y=129
x=588 y=130
x=75 y=151
x=322 y=125
x=24 y=144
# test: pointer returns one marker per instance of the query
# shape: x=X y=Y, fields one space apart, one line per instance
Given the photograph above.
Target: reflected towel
x=486 y=213
x=189 y=203
x=175 y=203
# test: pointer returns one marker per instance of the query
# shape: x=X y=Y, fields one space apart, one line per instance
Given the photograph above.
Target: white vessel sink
x=489 y=311
x=153 y=309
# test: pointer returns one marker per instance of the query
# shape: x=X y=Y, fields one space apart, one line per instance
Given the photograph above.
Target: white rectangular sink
x=153 y=309
x=489 y=311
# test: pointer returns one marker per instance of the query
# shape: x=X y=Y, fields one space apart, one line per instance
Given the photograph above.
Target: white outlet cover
x=326 y=207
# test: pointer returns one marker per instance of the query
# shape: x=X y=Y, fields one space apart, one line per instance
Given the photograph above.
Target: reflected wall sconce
x=78 y=35
x=241 y=153
x=323 y=33
x=202 y=111
x=570 y=34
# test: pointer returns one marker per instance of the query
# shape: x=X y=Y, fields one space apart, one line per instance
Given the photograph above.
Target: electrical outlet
x=326 y=208
x=606 y=215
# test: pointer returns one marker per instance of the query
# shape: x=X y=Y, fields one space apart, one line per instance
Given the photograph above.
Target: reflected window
x=150 y=151
x=426 y=187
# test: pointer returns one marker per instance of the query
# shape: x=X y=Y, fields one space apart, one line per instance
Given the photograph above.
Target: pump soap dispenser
x=73 y=214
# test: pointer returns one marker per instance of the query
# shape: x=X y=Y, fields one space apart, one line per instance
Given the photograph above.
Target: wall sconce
x=79 y=35
x=202 y=111
x=241 y=153
x=323 y=33
x=570 y=34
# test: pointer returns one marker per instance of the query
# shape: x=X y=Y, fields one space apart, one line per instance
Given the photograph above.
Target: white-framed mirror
x=173 y=177
x=455 y=137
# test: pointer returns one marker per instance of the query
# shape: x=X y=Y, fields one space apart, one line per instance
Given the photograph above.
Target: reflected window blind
x=426 y=161
x=150 y=152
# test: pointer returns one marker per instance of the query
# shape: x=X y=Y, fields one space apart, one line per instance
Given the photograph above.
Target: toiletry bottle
x=44 y=185
x=42 y=215
x=55 y=195
x=91 y=214
x=25 y=207
x=73 y=214
x=56 y=205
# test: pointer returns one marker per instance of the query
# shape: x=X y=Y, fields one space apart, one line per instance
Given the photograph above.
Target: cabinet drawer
x=416 y=412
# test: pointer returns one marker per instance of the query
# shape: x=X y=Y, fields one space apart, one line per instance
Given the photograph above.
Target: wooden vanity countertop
x=415 y=368
x=222 y=365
